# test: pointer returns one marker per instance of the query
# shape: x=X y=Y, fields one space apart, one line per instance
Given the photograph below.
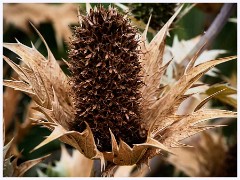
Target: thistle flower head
x=105 y=78
x=114 y=108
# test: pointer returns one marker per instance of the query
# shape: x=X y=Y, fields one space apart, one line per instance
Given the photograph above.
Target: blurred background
x=54 y=22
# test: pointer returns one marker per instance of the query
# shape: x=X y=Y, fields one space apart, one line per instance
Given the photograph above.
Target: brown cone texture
x=105 y=78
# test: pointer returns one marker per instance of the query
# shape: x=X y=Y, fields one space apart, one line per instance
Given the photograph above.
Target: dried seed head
x=105 y=78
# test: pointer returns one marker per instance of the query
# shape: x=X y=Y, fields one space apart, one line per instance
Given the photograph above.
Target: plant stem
x=212 y=31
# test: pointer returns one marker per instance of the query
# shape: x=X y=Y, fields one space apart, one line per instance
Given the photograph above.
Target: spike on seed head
x=105 y=78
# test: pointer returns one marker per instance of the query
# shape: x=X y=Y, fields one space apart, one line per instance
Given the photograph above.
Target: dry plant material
x=10 y=166
x=178 y=51
x=105 y=78
x=153 y=111
x=60 y=15
x=210 y=157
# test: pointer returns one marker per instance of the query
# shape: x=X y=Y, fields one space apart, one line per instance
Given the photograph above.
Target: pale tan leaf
x=40 y=74
x=178 y=51
x=144 y=34
x=205 y=114
x=19 y=85
x=188 y=79
x=152 y=57
x=205 y=159
x=57 y=132
x=10 y=167
x=57 y=113
x=152 y=92
x=124 y=156
x=114 y=143
x=188 y=125
x=155 y=144
x=163 y=106
x=185 y=159
x=60 y=15
x=17 y=68
x=84 y=142
x=159 y=35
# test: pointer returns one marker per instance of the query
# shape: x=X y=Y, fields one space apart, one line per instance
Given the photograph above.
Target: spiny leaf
x=10 y=167
x=164 y=105
x=205 y=160
x=57 y=132
x=20 y=86
x=144 y=34
x=23 y=167
x=155 y=144
x=40 y=70
x=152 y=62
x=60 y=16
x=187 y=126
x=57 y=113
x=123 y=154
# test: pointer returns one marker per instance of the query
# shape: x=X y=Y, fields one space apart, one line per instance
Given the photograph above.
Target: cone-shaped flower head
x=105 y=78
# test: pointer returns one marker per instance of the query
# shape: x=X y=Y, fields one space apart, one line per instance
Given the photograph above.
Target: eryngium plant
x=113 y=107
x=105 y=78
